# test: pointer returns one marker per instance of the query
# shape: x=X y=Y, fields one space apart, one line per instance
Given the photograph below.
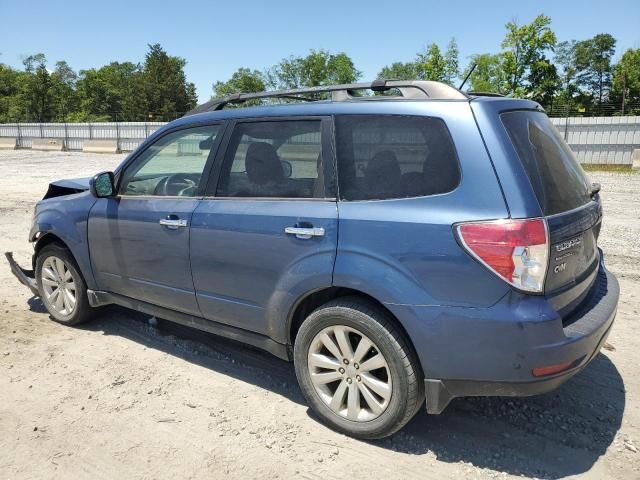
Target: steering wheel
x=177 y=185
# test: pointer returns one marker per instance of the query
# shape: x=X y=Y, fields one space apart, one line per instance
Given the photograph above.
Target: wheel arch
x=316 y=298
x=42 y=239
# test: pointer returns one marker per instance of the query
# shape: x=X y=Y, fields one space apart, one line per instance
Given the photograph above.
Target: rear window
x=281 y=159
x=391 y=156
x=557 y=178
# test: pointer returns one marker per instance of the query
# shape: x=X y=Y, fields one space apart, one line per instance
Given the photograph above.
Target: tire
x=54 y=259
x=399 y=386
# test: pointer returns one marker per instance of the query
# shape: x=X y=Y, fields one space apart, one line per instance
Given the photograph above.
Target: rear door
x=565 y=197
x=268 y=227
x=139 y=240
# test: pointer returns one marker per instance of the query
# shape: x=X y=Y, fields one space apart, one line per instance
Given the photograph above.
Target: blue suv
x=413 y=244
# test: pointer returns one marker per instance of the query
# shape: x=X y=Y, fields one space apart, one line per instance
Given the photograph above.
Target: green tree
x=32 y=62
x=64 y=98
x=593 y=62
x=525 y=45
x=36 y=95
x=543 y=82
x=112 y=92
x=452 y=62
x=626 y=81
x=431 y=64
x=399 y=71
x=488 y=76
x=565 y=59
x=319 y=67
x=117 y=91
x=243 y=80
x=10 y=94
x=164 y=86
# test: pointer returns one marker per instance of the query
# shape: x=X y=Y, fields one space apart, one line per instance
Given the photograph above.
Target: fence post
x=117 y=133
x=66 y=135
x=90 y=131
x=566 y=123
x=19 y=134
x=624 y=89
x=41 y=130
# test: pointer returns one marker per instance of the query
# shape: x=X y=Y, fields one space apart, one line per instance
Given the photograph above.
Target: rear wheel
x=62 y=288
x=357 y=370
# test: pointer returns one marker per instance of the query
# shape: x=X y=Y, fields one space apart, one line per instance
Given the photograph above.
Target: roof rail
x=484 y=94
x=410 y=89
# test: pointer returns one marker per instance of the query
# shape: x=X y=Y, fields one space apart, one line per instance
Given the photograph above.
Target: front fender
x=66 y=218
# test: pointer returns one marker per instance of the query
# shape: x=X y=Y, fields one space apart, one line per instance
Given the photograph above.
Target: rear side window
x=281 y=159
x=558 y=180
x=392 y=156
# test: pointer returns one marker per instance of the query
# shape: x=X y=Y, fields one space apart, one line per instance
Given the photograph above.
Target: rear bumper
x=581 y=339
x=24 y=276
x=440 y=392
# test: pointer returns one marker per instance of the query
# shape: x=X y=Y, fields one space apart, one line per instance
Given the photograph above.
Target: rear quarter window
x=558 y=180
x=393 y=156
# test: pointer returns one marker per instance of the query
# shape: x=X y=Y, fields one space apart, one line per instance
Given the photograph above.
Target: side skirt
x=99 y=298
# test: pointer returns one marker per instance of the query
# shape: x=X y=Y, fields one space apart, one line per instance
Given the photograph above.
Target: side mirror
x=287 y=169
x=102 y=185
x=206 y=144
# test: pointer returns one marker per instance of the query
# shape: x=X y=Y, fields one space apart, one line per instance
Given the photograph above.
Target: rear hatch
x=567 y=200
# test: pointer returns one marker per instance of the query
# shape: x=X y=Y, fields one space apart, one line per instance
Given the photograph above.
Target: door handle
x=304 y=233
x=173 y=223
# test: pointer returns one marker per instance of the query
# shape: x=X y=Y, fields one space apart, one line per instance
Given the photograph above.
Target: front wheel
x=62 y=288
x=357 y=369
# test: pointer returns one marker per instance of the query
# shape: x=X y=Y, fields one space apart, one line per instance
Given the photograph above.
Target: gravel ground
x=123 y=398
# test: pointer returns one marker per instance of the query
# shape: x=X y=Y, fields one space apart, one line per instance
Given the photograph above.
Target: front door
x=139 y=240
x=270 y=231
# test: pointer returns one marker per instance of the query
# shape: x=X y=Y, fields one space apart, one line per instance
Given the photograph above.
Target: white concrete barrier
x=636 y=158
x=100 y=146
x=56 y=144
x=8 y=143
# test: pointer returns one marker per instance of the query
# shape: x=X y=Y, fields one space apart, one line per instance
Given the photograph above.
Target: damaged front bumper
x=24 y=276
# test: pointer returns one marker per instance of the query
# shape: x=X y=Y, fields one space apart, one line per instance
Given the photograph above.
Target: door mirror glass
x=287 y=169
x=102 y=185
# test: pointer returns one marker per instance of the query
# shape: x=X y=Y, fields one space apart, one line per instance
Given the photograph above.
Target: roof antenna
x=475 y=64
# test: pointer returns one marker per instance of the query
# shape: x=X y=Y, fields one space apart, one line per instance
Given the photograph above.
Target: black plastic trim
x=24 y=276
x=440 y=392
x=99 y=298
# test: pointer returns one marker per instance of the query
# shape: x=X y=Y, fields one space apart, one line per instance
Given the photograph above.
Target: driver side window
x=172 y=166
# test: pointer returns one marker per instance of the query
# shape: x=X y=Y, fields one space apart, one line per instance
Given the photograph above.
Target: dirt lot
x=120 y=398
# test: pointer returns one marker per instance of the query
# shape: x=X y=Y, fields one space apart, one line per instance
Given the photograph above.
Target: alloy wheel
x=349 y=373
x=59 y=288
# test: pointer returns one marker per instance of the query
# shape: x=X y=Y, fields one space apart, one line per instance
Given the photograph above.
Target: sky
x=216 y=37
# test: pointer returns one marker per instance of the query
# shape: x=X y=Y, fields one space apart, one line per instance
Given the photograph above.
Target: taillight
x=516 y=250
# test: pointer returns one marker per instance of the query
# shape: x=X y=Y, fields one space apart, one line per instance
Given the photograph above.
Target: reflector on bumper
x=553 y=369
